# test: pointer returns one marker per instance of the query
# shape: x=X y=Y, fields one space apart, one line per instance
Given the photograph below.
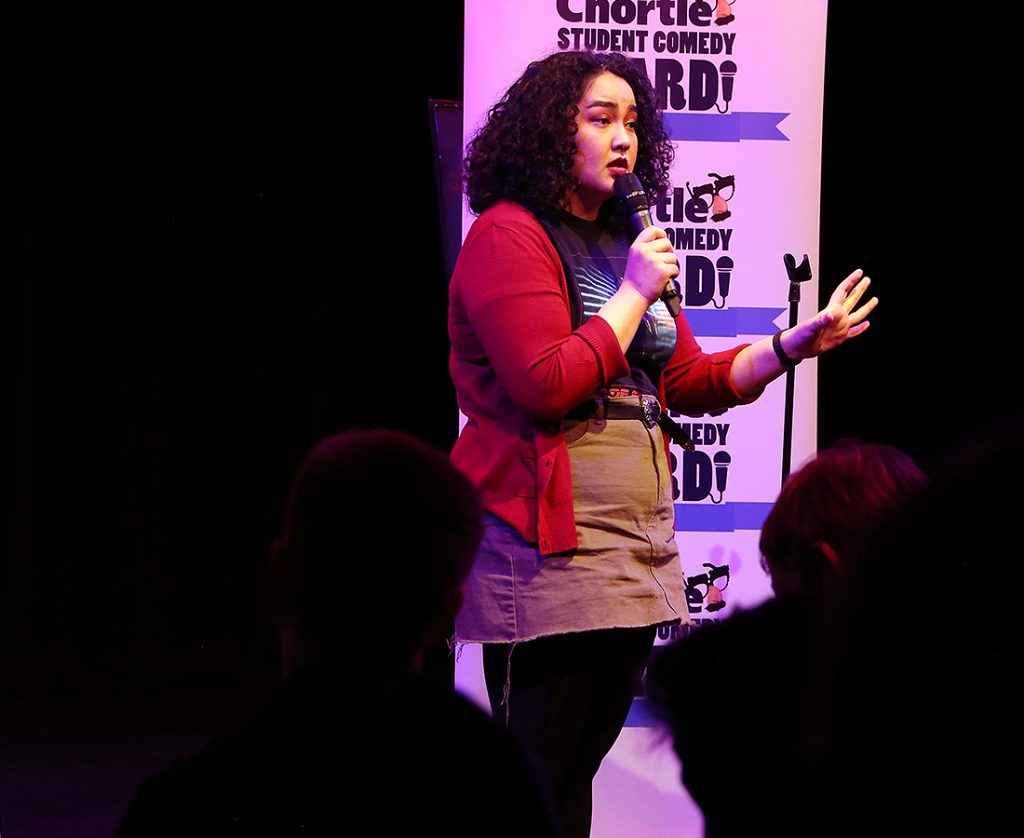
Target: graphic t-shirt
x=595 y=259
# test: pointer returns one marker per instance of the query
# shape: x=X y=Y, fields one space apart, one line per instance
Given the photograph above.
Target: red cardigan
x=518 y=367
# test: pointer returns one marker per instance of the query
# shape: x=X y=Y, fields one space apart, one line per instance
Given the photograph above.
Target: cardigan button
x=547 y=463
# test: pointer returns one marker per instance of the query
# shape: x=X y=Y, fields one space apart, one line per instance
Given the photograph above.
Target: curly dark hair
x=525 y=150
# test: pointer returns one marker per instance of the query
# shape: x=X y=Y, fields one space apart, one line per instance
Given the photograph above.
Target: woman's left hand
x=833 y=325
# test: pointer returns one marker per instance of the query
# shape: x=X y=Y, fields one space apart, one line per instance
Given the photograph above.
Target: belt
x=646 y=408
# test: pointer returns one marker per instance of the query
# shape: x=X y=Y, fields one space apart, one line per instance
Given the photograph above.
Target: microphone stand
x=797 y=274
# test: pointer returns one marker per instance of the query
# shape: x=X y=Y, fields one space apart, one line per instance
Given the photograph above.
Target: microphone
x=728 y=72
x=722 y=461
x=724 y=266
x=632 y=201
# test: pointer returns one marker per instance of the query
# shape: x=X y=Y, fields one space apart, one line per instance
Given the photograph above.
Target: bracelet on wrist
x=780 y=353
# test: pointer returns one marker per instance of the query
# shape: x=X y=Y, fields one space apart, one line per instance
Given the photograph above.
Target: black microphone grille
x=630 y=194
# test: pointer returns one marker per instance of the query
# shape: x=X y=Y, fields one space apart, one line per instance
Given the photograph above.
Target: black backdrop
x=226 y=245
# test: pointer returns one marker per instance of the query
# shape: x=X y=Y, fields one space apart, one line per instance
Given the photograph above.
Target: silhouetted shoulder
x=328 y=756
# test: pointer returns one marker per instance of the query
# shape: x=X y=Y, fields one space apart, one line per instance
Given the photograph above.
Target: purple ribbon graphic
x=730 y=322
x=725 y=128
x=721 y=517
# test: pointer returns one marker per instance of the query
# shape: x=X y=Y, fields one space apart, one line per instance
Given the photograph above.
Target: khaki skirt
x=626 y=571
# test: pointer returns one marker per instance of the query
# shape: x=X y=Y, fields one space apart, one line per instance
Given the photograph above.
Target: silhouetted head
x=379 y=534
x=828 y=508
x=920 y=684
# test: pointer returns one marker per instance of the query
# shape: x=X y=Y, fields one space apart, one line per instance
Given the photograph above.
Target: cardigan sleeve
x=512 y=288
x=696 y=382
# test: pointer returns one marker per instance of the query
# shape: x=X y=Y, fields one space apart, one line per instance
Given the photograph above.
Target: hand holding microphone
x=652 y=259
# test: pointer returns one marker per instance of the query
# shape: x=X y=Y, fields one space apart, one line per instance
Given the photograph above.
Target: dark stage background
x=226 y=245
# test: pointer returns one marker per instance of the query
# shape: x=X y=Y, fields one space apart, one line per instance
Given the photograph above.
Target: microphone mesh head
x=630 y=195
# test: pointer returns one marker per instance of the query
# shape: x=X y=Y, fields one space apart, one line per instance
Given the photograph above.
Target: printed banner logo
x=704 y=591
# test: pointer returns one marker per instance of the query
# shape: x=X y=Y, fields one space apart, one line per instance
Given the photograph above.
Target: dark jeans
x=568 y=697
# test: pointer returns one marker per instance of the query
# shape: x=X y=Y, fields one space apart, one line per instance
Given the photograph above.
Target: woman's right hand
x=651 y=263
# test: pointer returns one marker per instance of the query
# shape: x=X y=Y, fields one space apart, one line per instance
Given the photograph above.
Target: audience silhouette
x=876 y=694
x=919 y=694
x=736 y=693
x=379 y=534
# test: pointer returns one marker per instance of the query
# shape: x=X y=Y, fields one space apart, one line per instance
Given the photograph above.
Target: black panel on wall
x=227 y=245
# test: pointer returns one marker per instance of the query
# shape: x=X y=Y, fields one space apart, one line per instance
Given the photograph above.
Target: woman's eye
x=631 y=125
x=602 y=120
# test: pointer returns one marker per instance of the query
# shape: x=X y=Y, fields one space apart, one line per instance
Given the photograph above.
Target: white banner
x=741 y=86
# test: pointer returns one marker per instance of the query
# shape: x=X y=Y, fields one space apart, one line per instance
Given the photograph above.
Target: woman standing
x=562 y=358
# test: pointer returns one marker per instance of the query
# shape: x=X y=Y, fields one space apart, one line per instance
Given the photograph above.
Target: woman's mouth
x=619 y=167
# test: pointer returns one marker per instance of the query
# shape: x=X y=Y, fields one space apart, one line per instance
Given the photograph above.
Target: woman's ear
x=831 y=556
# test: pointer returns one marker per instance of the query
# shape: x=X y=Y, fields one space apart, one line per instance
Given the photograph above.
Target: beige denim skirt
x=626 y=571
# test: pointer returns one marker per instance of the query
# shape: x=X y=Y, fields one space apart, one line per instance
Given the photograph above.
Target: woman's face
x=606 y=145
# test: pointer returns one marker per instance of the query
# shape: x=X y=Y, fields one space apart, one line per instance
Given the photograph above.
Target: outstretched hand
x=836 y=323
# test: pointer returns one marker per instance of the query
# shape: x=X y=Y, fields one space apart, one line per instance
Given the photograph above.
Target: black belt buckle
x=650 y=412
